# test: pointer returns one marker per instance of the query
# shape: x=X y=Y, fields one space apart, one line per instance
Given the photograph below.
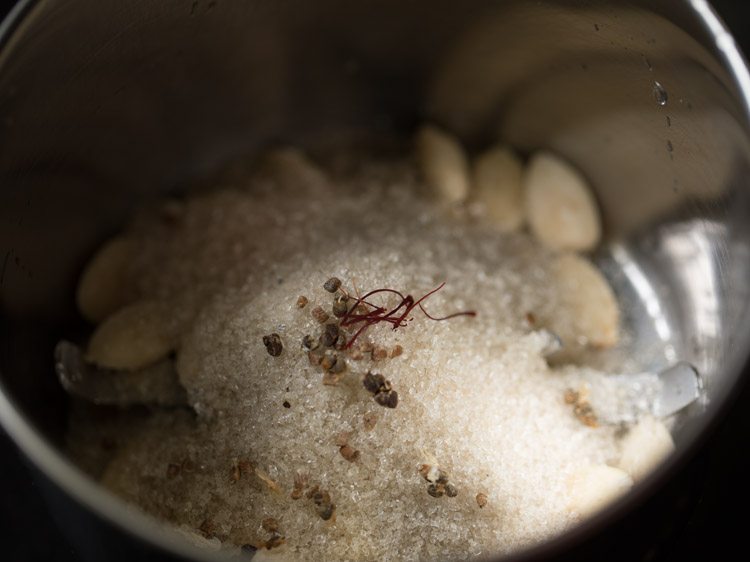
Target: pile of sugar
x=476 y=396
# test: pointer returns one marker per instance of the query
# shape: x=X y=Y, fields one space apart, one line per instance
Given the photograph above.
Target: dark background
x=709 y=514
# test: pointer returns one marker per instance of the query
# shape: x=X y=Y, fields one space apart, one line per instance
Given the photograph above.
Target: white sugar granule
x=476 y=396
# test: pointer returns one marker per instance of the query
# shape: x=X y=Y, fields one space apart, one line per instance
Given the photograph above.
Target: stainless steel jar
x=104 y=104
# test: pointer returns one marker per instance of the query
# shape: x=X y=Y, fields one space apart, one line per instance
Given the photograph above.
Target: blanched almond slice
x=588 y=312
x=136 y=336
x=560 y=206
x=443 y=164
x=594 y=487
x=645 y=447
x=102 y=288
x=498 y=184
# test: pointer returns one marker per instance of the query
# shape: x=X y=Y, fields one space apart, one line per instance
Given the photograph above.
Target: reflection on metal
x=693 y=264
x=646 y=296
x=693 y=253
x=727 y=46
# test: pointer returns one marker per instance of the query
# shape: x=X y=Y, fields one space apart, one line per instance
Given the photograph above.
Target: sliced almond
x=645 y=447
x=443 y=164
x=102 y=288
x=594 y=487
x=560 y=206
x=498 y=184
x=136 y=336
x=588 y=313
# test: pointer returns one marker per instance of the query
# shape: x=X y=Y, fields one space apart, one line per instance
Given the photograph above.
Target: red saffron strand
x=471 y=313
x=380 y=314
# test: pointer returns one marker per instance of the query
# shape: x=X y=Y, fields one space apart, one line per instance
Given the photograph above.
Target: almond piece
x=498 y=185
x=588 y=311
x=560 y=205
x=594 y=487
x=645 y=447
x=443 y=164
x=102 y=288
x=133 y=338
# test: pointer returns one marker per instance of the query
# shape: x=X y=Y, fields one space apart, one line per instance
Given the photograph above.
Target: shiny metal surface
x=104 y=104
